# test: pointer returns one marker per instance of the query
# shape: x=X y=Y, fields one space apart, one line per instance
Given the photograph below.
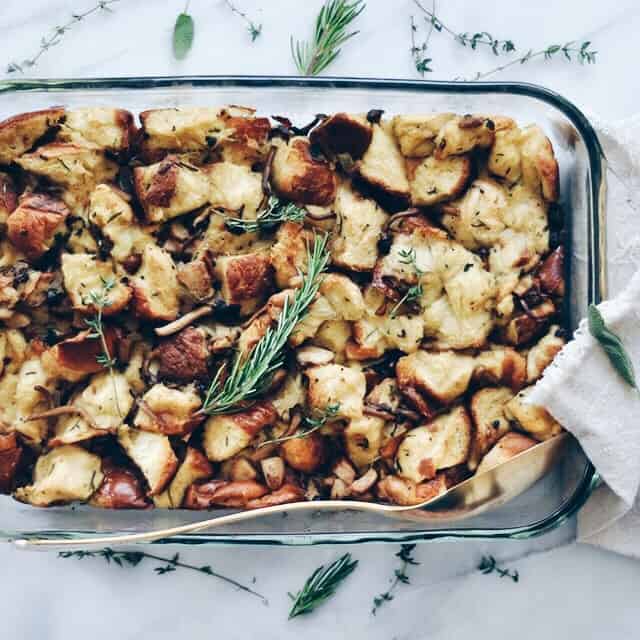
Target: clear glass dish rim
x=596 y=289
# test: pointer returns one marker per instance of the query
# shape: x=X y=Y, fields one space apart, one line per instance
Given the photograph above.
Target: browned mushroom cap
x=120 y=489
x=343 y=133
x=183 y=357
x=284 y=495
x=220 y=493
x=551 y=273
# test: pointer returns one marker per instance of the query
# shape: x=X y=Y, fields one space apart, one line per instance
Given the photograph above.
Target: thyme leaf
x=134 y=558
x=415 y=292
x=488 y=564
x=311 y=58
x=309 y=425
x=321 y=585
x=400 y=576
x=612 y=346
x=275 y=213
x=253 y=28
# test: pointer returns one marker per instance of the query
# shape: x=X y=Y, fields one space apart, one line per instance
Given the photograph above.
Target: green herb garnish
x=275 y=213
x=321 y=585
x=415 y=292
x=251 y=374
x=134 y=558
x=400 y=576
x=183 y=32
x=330 y=34
x=488 y=565
x=308 y=426
x=612 y=346
x=254 y=29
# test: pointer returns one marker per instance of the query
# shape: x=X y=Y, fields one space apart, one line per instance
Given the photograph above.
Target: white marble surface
x=564 y=592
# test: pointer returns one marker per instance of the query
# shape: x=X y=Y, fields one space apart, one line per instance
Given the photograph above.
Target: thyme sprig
x=56 y=35
x=418 y=52
x=415 y=292
x=488 y=564
x=400 y=576
x=251 y=374
x=612 y=345
x=100 y=301
x=321 y=585
x=308 y=426
x=331 y=32
x=134 y=558
x=275 y=213
x=254 y=29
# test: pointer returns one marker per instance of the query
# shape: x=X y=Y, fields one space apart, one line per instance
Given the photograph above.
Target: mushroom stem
x=66 y=410
x=184 y=321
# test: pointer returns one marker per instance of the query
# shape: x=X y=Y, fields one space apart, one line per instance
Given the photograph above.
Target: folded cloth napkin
x=582 y=390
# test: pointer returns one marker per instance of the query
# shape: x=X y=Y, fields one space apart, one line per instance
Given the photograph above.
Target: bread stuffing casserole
x=215 y=309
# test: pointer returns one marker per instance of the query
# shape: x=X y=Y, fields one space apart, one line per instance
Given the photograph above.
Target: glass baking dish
x=582 y=173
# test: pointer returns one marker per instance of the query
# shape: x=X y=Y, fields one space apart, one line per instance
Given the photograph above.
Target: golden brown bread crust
x=343 y=133
x=8 y=196
x=19 y=133
x=298 y=176
x=304 y=454
x=32 y=227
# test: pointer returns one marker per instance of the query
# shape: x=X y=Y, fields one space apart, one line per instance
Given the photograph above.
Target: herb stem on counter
x=488 y=565
x=400 y=576
x=253 y=28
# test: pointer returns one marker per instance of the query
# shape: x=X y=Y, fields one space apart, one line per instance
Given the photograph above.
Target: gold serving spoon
x=469 y=498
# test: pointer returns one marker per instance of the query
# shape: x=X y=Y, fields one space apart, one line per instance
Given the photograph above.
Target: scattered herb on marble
x=419 y=52
x=56 y=35
x=253 y=28
x=570 y=51
x=400 y=576
x=99 y=300
x=275 y=213
x=488 y=564
x=321 y=585
x=252 y=373
x=308 y=425
x=612 y=346
x=183 y=33
x=331 y=32
x=134 y=558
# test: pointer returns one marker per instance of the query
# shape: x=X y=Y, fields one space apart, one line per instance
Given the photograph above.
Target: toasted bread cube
x=8 y=197
x=221 y=493
x=288 y=396
x=152 y=454
x=539 y=165
x=464 y=133
x=183 y=357
x=168 y=411
x=155 y=285
x=344 y=295
x=363 y=438
x=110 y=210
x=85 y=275
x=343 y=133
x=334 y=335
x=404 y=492
x=334 y=384
x=244 y=140
x=290 y=253
x=355 y=246
x=170 y=188
x=120 y=489
x=65 y=474
x=416 y=133
x=432 y=180
x=235 y=188
x=541 y=355
x=13 y=350
x=245 y=280
x=500 y=365
x=535 y=420
x=10 y=456
x=508 y=447
x=106 y=399
x=298 y=176
x=440 y=444
x=443 y=375
x=227 y=435
x=19 y=133
x=487 y=410
x=77 y=168
x=33 y=226
x=306 y=453
x=319 y=312
x=382 y=169
x=194 y=467
x=105 y=127
x=504 y=157
x=30 y=401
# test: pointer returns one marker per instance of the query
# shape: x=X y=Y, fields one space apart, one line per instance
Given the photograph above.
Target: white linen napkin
x=581 y=388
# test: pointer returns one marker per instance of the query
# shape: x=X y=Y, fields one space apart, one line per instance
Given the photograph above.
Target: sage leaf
x=612 y=346
x=182 y=35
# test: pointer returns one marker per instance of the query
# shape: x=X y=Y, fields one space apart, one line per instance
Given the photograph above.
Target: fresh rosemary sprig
x=414 y=293
x=100 y=301
x=275 y=213
x=612 y=346
x=134 y=558
x=254 y=29
x=308 y=426
x=56 y=36
x=321 y=585
x=400 y=576
x=312 y=58
x=488 y=565
x=251 y=374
